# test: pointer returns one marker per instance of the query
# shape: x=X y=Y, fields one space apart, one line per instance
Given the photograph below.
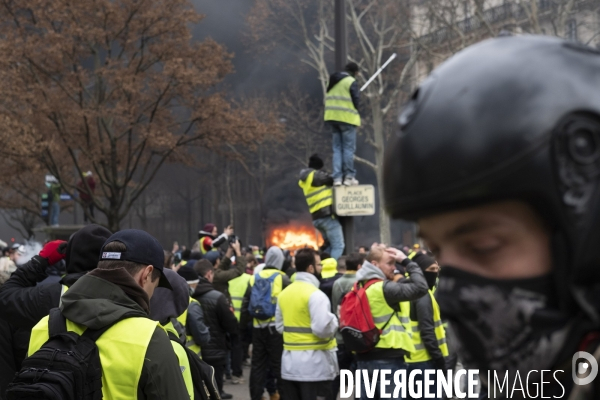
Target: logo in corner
x=583 y=364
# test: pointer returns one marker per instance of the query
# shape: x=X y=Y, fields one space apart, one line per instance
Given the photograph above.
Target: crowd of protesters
x=207 y=300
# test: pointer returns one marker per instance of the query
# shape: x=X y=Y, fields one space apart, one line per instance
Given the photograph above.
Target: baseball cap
x=141 y=248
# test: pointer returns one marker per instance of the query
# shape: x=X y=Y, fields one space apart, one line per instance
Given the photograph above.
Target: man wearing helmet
x=498 y=161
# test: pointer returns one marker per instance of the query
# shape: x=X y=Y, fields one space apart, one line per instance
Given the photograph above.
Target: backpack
x=203 y=375
x=261 y=303
x=357 y=326
x=66 y=367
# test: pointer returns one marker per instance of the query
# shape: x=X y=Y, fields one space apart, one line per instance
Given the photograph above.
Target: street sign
x=354 y=200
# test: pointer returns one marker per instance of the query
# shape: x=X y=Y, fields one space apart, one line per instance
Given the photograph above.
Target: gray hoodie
x=274 y=258
x=408 y=289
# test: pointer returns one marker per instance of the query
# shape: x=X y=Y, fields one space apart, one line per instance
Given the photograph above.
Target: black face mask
x=503 y=325
x=431 y=278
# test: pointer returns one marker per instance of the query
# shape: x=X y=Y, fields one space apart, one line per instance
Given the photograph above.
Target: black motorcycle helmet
x=510 y=118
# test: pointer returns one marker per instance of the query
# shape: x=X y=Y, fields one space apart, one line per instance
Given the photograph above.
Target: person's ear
x=147 y=274
x=311 y=269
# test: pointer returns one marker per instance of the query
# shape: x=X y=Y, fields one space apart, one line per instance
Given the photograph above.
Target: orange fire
x=295 y=237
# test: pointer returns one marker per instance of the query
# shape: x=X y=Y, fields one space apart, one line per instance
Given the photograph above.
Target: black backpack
x=203 y=375
x=66 y=367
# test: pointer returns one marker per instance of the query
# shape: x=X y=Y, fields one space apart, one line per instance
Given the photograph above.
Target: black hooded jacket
x=220 y=320
x=24 y=300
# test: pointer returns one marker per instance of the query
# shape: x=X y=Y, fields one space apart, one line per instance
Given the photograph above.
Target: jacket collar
x=308 y=278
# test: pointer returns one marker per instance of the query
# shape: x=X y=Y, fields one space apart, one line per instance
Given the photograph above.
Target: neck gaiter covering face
x=507 y=326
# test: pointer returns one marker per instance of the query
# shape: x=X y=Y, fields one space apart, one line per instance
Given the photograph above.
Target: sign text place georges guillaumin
x=354 y=200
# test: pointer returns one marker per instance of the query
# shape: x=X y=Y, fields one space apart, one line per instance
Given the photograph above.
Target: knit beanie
x=83 y=248
x=208 y=228
x=187 y=272
x=315 y=162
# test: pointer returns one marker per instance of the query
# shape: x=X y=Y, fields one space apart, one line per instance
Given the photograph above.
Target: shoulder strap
x=388 y=321
x=57 y=323
x=371 y=282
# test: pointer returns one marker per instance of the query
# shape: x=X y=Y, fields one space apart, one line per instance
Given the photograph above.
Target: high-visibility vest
x=276 y=290
x=397 y=333
x=190 y=343
x=420 y=354
x=316 y=197
x=122 y=351
x=297 y=333
x=201 y=244
x=237 y=289
x=339 y=105
x=184 y=362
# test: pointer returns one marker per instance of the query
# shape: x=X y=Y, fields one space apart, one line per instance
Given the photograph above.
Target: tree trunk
x=385 y=235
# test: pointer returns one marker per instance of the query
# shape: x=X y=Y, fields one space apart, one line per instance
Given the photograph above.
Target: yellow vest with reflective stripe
x=297 y=333
x=201 y=244
x=122 y=350
x=397 y=333
x=190 y=343
x=237 y=289
x=339 y=105
x=184 y=362
x=420 y=354
x=316 y=197
x=276 y=290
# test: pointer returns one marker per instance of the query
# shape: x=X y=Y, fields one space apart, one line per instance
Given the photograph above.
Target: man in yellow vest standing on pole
x=342 y=117
x=389 y=301
x=316 y=185
x=303 y=316
x=137 y=359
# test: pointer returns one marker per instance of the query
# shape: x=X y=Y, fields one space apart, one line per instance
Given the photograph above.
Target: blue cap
x=141 y=248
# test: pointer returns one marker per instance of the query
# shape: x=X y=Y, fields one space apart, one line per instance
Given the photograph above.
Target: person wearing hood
x=191 y=323
x=267 y=343
x=330 y=273
x=317 y=188
x=428 y=332
x=220 y=320
x=208 y=239
x=303 y=317
x=165 y=307
x=389 y=294
x=24 y=300
x=117 y=295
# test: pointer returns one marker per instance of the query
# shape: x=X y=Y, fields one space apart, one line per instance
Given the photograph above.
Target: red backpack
x=356 y=321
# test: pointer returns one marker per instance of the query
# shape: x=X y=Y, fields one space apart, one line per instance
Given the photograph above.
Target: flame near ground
x=294 y=237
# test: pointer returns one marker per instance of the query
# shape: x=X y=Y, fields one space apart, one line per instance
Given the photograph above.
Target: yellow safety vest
x=190 y=343
x=339 y=105
x=276 y=290
x=297 y=333
x=184 y=362
x=237 y=289
x=420 y=354
x=122 y=351
x=293 y=278
x=316 y=197
x=201 y=244
x=397 y=333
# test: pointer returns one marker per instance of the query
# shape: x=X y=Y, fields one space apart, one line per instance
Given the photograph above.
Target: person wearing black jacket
x=24 y=299
x=220 y=321
x=425 y=320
